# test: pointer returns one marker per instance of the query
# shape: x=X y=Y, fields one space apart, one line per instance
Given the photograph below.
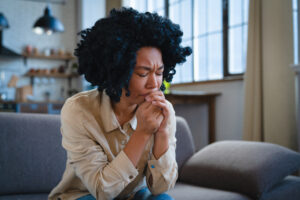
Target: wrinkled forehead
x=149 y=56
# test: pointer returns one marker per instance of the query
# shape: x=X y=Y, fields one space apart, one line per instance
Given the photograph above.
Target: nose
x=152 y=81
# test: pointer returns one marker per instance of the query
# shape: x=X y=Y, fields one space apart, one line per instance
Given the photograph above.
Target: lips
x=144 y=95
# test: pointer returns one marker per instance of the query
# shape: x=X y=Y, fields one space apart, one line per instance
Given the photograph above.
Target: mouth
x=144 y=95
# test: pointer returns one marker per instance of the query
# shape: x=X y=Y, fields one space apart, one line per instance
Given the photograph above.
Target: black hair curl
x=107 y=51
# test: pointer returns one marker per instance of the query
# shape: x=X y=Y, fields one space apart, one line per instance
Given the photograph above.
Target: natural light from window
x=295 y=24
x=205 y=24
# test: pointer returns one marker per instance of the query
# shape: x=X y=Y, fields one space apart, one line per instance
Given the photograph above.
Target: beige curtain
x=253 y=107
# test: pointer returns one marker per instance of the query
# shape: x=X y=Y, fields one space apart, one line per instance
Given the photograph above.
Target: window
x=157 y=6
x=237 y=30
x=90 y=12
x=215 y=29
x=295 y=27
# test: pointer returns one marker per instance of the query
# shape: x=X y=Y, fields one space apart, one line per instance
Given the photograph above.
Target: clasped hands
x=153 y=115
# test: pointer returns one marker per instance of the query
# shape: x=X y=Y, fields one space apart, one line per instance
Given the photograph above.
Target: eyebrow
x=148 y=68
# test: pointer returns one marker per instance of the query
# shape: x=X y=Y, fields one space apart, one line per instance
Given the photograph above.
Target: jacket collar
x=109 y=119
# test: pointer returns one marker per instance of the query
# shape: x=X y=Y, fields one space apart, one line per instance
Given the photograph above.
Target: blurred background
x=239 y=83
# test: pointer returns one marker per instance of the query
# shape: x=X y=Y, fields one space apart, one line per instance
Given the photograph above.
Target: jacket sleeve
x=163 y=171
x=103 y=179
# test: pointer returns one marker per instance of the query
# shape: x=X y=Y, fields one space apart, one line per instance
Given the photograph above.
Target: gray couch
x=32 y=162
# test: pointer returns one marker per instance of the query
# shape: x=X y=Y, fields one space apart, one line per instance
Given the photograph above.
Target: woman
x=120 y=138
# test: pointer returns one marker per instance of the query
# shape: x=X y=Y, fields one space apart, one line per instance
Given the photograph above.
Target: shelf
x=65 y=58
x=56 y=75
x=52 y=57
x=32 y=76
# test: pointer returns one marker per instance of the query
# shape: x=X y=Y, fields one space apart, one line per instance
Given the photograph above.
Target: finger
x=160 y=118
x=153 y=111
x=156 y=98
x=163 y=105
x=156 y=109
x=155 y=93
x=166 y=114
x=142 y=109
x=145 y=105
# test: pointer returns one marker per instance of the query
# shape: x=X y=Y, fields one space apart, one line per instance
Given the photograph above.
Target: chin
x=140 y=101
x=137 y=100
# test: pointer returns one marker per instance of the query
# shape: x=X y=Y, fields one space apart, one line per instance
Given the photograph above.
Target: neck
x=123 y=110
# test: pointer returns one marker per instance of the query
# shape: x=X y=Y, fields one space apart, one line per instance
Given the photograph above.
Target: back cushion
x=185 y=144
x=31 y=156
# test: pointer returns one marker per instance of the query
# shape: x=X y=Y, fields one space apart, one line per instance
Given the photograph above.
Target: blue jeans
x=87 y=197
x=143 y=194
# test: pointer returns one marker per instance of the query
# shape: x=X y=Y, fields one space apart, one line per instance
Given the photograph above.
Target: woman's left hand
x=161 y=137
x=158 y=98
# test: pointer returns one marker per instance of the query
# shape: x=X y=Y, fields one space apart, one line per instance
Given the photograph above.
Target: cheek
x=136 y=86
x=136 y=89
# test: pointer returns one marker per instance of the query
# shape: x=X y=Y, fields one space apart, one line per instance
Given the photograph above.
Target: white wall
x=229 y=111
x=91 y=11
x=21 y=16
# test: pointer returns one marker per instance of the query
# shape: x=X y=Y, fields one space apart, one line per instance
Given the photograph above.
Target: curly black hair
x=107 y=51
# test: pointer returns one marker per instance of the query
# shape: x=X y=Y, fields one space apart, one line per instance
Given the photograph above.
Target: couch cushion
x=251 y=168
x=25 y=197
x=183 y=191
x=185 y=146
x=32 y=159
x=289 y=188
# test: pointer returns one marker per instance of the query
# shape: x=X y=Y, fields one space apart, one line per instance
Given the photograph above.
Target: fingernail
x=148 y=98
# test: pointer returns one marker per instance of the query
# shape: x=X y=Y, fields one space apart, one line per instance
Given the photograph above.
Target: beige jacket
x=96 y=163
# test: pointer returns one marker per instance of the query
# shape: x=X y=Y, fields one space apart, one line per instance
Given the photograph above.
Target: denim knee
x=87 y=197
x=162 y=196
x=145 y=194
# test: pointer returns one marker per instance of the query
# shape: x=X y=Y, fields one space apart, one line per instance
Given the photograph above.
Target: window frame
x=225 y=37
x=226 y=55
x=225 y=43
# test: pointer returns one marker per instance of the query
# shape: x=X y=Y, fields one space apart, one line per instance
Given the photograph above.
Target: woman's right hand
x=149 y=118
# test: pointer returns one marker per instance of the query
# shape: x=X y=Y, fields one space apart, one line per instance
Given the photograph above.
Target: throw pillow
x=251 y=168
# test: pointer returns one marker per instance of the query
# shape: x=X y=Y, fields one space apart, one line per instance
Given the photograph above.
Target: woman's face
x=147 y=75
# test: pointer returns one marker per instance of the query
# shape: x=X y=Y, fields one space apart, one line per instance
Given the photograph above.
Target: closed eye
x=142 y=75
x=143 y=71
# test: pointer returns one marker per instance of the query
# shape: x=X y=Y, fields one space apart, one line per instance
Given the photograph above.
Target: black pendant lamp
x=47 y=24
x=3 y=22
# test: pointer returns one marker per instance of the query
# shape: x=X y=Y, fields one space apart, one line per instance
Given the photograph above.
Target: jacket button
x=130 y=177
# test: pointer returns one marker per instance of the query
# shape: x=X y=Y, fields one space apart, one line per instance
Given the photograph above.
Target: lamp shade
x=3 y=22
x=47 y=24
